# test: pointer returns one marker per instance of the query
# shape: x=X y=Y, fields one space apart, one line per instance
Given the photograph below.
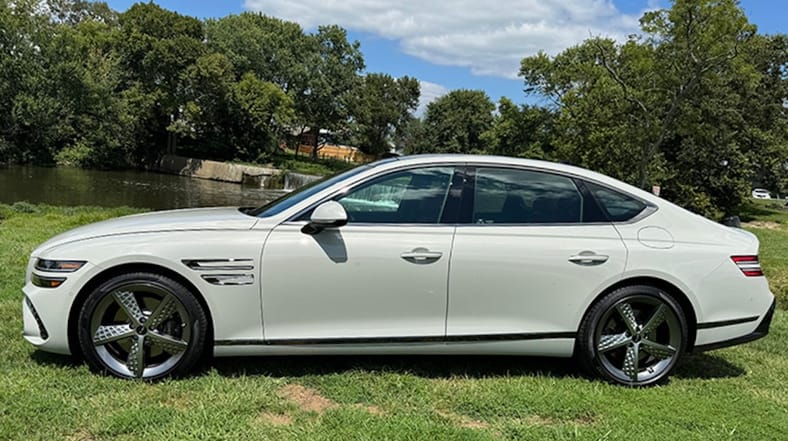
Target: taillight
x=749 y=265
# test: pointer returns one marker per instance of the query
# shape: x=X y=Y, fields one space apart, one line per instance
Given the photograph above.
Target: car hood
x=225 y=218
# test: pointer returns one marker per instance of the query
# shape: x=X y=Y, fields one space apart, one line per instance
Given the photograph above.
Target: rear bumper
x=760 y=331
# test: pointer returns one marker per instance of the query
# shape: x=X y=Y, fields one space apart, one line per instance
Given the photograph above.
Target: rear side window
x=617 y=206
x=512 y=196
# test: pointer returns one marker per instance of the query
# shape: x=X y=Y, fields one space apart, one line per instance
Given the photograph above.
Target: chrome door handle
x=588 y=258
x=421 y=255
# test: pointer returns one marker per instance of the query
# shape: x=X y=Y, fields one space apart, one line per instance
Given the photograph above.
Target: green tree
x=265 y=108
x=275 y=50
x=381 y=105
x=765 y=133
x=409 y=136
x=27 y=114
x=668 y=108
x=332 y=71
x=73 y=12
x=84 y=73
x=524 y=131
x=156 y=47
x=207 y=123
x=455 y=122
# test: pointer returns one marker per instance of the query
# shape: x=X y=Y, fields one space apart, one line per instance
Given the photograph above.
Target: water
x=72 y=186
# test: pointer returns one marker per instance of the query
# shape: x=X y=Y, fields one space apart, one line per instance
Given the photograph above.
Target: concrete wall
x=257 y=176
x=217 y=171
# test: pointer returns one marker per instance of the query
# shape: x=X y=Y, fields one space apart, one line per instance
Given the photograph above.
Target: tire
x=633 y=336
x=142 y=325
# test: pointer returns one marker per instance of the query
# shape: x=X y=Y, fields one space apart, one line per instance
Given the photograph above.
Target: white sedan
x=436 y=254
x=760 y=193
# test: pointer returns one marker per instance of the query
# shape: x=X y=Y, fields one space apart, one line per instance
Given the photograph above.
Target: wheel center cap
x=141 y=330
x=636 y=338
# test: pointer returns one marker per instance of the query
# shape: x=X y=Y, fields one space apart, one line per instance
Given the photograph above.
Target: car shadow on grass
x=427 y=366
x=707 y=366
x=49 y=359
x=698 y=366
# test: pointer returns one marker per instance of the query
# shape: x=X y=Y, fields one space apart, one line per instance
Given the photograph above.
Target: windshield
x=288 y=200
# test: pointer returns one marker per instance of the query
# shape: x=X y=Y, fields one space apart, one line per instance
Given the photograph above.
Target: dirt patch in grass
x=81 y=435
x=769 y=225
x=371 y=408
x=542 y=420
x=178 y=402
x=463 y=420
x=275 y=419
x=307 y=399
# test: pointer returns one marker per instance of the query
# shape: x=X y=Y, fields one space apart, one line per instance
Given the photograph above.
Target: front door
x=381 y=277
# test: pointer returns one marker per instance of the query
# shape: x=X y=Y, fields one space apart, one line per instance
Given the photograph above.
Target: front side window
x=512 y=196
x=415 y=196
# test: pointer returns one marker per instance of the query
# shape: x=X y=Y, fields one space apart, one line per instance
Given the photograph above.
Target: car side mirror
x=329 y=214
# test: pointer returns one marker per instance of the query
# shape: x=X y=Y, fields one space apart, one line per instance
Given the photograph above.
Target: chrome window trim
x=650 y=208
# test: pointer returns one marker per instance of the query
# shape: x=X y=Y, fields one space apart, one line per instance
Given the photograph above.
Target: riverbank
x=46 y=396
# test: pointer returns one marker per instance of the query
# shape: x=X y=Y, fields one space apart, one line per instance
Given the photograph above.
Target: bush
x=78 y=154
x=24 y=207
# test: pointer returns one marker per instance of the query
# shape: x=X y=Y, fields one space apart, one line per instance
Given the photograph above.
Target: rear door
x=531 y=251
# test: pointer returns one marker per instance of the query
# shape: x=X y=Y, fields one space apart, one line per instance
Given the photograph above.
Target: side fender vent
x=219 y=264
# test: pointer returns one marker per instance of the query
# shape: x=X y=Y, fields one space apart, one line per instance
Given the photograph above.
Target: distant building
x=340 y=152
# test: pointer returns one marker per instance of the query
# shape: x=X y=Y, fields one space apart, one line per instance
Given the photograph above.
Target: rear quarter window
x=618 y=206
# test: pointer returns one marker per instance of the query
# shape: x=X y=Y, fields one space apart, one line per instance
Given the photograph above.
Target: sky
x=463 y=44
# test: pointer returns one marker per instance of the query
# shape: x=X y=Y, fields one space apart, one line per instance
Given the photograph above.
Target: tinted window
x=511 y=196
x=412 y=196
x=618 y=206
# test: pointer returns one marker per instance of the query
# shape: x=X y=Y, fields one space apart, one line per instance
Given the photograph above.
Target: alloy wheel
x=140 y=330
x=638 y=339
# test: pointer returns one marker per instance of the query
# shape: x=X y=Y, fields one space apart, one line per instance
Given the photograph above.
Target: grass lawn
x=736 y=393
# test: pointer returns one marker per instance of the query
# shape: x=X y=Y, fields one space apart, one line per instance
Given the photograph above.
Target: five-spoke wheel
x=633 y=336
x=142 y=326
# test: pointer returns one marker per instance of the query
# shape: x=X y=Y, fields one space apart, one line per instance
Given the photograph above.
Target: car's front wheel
x=633 y=336
x=142 y=325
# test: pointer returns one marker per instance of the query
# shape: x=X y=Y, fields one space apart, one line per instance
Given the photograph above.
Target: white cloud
x=490 y=37
x=429 y=93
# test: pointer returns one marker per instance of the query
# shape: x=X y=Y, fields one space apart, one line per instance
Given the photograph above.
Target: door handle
x=588 y=258
x=421 y=255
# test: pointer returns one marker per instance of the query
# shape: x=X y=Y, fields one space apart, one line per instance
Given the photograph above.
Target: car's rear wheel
x=633 y=336
x=142 y=325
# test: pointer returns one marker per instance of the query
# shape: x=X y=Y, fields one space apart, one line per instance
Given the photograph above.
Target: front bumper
x=33 y=325
x=45 y=318
x=760 y=331
x=45 y=311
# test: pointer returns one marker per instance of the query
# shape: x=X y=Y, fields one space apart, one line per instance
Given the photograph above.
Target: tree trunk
x=316 y=143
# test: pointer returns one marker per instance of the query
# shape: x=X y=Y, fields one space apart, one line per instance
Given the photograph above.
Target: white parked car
x=760 y=193
x=423 y=254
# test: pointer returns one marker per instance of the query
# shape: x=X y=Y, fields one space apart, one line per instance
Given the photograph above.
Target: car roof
x=490 y=159
x=522 y=162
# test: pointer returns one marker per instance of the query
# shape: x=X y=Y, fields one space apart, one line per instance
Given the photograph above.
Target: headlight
x=59 y=266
